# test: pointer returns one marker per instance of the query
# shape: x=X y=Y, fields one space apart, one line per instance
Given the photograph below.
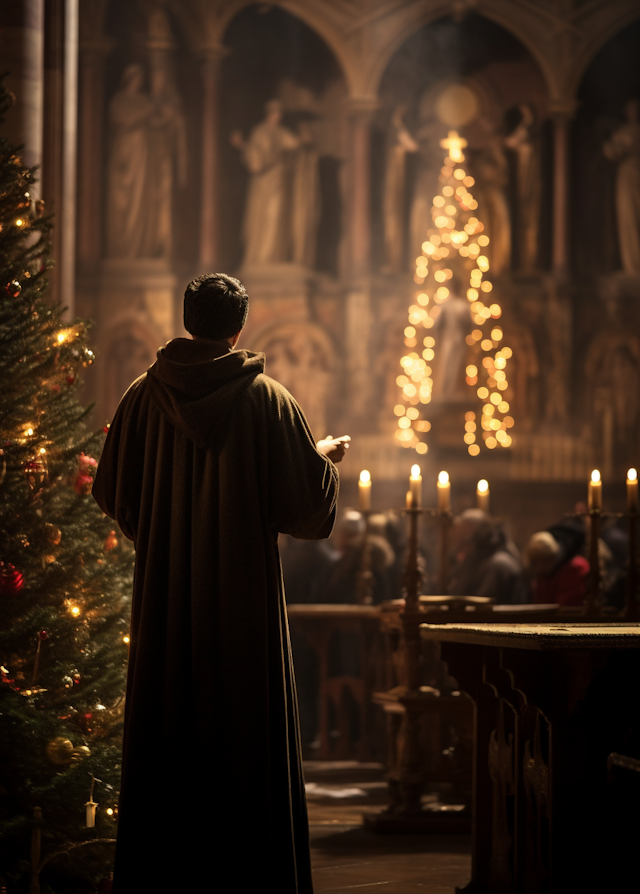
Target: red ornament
x=13 y=288
x=83 y=485
x=84 y=481
x=70 y=380
x=111 y=541
x=106 y=428
x=44 y=634
x=11 y=581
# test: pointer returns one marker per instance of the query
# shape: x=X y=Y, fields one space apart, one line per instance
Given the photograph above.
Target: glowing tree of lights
x=456 y=248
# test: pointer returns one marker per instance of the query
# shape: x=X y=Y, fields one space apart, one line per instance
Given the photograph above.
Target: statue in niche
x=624 y=148
x=298 y=358
x=127 y=358
x=394 y=192
x=429 y=155
x=522 y=142
x=450 y=331
x=491 y=174
x=281 y=211
x=148 y=144
x=616 y=398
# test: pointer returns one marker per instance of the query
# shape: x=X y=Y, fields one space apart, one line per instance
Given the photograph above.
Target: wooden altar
x=555 y=706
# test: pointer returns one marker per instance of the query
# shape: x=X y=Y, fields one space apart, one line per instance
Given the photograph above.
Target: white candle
x=632 y=490
x=90 y=808
x=595 y=491
x=444 y=492
x=415 y=487
x=364 y=490
x=482 y=495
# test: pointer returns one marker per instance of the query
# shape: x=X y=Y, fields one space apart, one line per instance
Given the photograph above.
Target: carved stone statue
x=522 y=141
x=298 y=358
x=280 y=218
x=491 y=174
x=394 y=192
x=452 y=327
x=148 y=144
x=624 y=148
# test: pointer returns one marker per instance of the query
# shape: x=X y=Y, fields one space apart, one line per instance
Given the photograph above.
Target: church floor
x=345 y=856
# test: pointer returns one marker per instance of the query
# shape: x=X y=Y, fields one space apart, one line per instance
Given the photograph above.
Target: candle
x=408 y=499
x=415 y=487
x=482 y=495
x=364 y=490
x=444 y=492
x=595 y=491
x=632 y=490
x=90 y=808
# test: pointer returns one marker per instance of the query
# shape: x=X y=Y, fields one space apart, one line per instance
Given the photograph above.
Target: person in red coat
x=556 y=578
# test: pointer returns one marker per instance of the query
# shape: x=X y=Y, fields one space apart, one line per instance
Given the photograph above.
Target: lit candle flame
x=595 y=476
x=632 y=474
x=483 y=486
x=415 y=471
x=365 y=477
x=443 y=478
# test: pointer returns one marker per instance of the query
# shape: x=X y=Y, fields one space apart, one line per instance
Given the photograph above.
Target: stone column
x=210 y=59
x=561 y=113
x=21 y=51
x=91 y=150
x=60 y=141
x=359 y=223
x=358 y=299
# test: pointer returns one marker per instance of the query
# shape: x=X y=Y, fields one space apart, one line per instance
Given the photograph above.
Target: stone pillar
x=561 y=113
x=60 y=141
x=92 y=151
x=210 y=59
x=21 y=51
x=359 y=223
x=358 y=299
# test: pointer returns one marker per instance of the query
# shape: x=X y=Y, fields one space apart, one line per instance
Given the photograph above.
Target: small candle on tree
x=364 y=490
x=444 y=492
x=632 y=490
x=595 y=490
x=482 y=495
x=415 y=486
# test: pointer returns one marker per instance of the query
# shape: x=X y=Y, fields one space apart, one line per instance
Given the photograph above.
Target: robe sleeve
x=303 y=483
x=116 y=488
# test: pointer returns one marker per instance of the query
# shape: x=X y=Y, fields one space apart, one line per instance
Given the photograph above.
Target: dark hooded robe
x=206 y=460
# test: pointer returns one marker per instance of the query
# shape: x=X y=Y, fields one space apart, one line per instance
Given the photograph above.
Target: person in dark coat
x=206 y=460
x=486 y=560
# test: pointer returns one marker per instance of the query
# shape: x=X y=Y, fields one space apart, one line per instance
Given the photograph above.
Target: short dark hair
x=215 y=306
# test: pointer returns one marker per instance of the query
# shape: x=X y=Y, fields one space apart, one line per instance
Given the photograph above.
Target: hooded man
x=206 y=460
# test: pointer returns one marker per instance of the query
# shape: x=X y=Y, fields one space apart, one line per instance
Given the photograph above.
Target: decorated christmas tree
x=453 y=267
x=65 y=579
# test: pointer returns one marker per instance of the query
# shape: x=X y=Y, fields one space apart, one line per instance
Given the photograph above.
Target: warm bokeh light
x=443 y=478
x=632 y=475
x=415 y=471
x=365 y=476
x=483 y=486
x=595 y=476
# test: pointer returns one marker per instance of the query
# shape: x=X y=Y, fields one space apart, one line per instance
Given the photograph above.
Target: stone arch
x=607 y=23
x=420 y=18
x=301 y=356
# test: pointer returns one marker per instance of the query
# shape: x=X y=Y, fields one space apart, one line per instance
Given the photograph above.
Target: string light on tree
x=455 y=251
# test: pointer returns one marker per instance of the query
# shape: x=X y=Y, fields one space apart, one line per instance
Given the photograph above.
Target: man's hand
x=333 y=448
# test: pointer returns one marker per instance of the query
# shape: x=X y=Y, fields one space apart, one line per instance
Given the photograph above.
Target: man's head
x=215 y=306
x=543 y=553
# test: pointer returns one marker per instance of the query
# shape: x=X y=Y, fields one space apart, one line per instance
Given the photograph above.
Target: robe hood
x=195 y=384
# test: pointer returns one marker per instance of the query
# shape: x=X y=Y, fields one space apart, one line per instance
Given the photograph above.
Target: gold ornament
x=60 y=751
x=80 y=753
x=53 y=534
